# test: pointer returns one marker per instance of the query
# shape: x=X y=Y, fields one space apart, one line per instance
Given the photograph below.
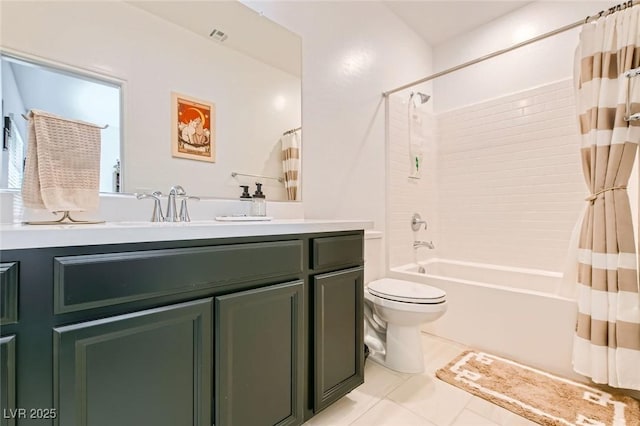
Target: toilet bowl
x=394 y=312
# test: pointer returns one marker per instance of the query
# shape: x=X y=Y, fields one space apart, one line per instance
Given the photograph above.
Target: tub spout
x=427 y=244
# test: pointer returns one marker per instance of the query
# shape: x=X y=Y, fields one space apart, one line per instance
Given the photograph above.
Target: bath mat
x=538 y=396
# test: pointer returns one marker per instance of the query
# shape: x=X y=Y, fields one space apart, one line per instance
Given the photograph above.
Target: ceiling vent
x=218 y=35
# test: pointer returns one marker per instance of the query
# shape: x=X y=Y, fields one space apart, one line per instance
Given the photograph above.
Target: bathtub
x=510 y=312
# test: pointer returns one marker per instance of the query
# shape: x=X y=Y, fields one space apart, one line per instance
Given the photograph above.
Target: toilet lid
x=406 y=291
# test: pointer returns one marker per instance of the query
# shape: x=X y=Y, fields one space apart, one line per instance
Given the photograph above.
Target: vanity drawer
x=91 y=281
x=338 y=251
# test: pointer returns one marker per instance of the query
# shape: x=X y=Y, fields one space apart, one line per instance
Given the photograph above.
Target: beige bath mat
x=536 y=395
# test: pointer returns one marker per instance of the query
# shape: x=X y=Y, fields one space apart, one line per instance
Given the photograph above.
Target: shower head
x=419 y=98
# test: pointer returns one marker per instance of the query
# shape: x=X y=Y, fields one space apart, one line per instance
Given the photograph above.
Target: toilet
x=394 y=311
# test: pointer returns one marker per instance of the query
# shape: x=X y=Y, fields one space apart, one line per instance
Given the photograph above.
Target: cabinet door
x=338 y=335
x=146 y=368
x=8 y=381
x=259 y=356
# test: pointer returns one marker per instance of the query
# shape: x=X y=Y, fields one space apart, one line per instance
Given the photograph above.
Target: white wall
x=154 y=58
x=533 y=65
x=352 y=52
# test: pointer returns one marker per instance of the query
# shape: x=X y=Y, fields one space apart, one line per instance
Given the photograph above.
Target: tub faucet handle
x=416 y=222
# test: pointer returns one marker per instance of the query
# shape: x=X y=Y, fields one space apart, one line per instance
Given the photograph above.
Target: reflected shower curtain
x=607 y=340
x=291 y=163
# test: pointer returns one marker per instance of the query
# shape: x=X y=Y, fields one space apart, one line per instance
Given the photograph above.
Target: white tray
x=242 y=218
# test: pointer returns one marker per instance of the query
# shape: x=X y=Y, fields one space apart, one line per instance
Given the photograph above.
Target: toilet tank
x=373 y=256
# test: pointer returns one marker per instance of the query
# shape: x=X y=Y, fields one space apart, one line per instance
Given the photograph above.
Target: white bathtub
x=511 y=312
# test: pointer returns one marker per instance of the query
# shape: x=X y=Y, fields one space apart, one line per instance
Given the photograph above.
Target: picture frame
x=193 y=128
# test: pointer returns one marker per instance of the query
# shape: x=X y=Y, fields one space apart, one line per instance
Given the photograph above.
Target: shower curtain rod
x=606 y=12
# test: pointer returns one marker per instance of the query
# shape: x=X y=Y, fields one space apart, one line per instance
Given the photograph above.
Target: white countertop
x=35 y=236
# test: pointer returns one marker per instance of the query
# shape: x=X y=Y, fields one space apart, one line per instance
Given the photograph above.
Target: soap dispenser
x=259 y=204
x=245 y=192
x=245 y=196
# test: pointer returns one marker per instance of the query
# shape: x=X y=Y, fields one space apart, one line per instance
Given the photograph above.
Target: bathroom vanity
x=225 y=324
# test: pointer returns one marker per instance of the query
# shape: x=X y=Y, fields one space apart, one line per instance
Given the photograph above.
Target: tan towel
x=62 y=171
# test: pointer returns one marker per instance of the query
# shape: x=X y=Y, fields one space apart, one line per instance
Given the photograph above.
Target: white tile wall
x=503 y=181
x=510 y=181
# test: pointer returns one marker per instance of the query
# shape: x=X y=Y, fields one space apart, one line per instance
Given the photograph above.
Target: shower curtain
x=607 y=339
x=291 y=163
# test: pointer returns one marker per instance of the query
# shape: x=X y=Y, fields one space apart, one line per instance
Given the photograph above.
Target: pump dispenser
x=259 y=204
x=245 y=192
x=248 y=201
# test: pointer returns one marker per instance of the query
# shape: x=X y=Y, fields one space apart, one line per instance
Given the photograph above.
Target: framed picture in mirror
x=193 y=128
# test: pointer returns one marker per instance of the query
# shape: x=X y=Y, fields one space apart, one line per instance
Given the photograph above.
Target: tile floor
x=395 y=399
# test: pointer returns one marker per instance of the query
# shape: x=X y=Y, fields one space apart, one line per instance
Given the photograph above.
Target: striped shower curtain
x=291 y=163
x=607 y=340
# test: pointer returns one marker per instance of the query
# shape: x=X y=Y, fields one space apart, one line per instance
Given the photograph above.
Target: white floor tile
x=438 y=352
x=396 y=399
x=469 y=418
x=342 y=412
x=431 y=398
x=496 y=413
x=378 y=382
x=388 y=413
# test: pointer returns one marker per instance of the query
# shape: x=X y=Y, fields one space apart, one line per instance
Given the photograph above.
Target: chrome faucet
x=172 y=212
x=156 y=216
x=427 y=244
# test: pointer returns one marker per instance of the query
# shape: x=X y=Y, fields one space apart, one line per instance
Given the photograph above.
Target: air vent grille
x=216 y=34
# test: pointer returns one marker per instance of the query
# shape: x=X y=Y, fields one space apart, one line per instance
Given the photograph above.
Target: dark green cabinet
x=8 y=293
x=8 y=381
x=338 y=335
x=259 y=365
x=145 y=368
x=245 y=331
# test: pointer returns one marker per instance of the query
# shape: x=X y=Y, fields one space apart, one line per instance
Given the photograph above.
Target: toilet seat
x=406 y=291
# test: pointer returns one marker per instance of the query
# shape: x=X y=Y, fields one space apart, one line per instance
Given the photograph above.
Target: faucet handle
x=184 y=212
x=416 y=221
x=156 y=216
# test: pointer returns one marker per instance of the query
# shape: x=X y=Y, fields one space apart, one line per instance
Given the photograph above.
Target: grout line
x=458 y=415
x=367 y=410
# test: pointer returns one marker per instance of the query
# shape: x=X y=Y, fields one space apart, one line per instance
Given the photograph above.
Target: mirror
x=222 y=53
x=27 y=85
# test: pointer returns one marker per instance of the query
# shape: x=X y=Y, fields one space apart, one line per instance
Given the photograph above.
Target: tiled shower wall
x=405 y=195
x=510 y=179
x=508 y=187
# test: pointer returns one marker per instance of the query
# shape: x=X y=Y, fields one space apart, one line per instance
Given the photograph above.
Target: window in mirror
x=27 y=85
x=13 y=159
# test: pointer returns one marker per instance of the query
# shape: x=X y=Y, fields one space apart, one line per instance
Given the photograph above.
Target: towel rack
x=279 y=179
x=68 y=119
x=635 y=72
x=66 y=219
x=288 y=132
